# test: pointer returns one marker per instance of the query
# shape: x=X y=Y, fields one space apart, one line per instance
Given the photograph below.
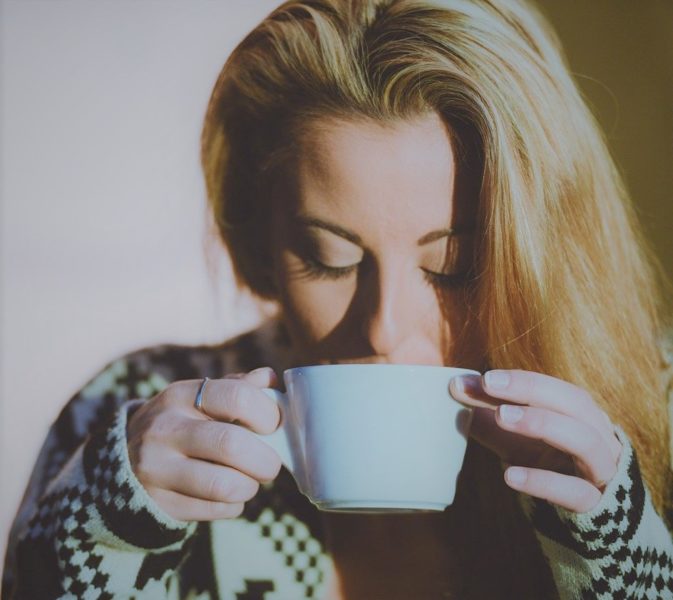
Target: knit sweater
x=87 y=528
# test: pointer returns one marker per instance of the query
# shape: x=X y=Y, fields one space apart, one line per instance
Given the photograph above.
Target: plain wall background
x=102 y=197
x=102 y=200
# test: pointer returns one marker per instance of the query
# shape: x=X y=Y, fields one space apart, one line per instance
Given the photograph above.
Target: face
x=372 y=245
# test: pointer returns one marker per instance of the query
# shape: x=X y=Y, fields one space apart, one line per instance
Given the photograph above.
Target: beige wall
x=101 y=104
x=102 y=200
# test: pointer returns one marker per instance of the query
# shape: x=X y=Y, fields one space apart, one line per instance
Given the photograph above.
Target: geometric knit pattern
x=624 y=549
x=621 y=548
x=87 y=528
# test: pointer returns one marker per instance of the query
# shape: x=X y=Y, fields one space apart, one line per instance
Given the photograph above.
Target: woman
x=411 y=182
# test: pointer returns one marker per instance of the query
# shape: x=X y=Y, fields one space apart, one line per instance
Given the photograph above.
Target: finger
x=543 y=391
x=507 y=445
x=238 y=400
x=261 y=377
x=513 y=448
x=468 y=390
x=572 y=493
x=582 y=441
x=185 y=508
x=230 y=445
x=204 y=480
x=535 y=389
x=528 y=387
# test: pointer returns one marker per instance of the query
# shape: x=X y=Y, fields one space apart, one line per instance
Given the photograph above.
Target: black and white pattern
x=619 y=549
x=80 y=524
x=90 y=530
x=300 y=551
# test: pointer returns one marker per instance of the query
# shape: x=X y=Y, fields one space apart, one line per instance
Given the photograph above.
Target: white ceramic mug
x=372 y=437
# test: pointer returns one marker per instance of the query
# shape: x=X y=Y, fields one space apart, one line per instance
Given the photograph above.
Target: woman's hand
x=563 y=445
x=204 y=465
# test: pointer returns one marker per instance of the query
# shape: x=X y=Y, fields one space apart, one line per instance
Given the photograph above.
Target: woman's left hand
x=561 y=442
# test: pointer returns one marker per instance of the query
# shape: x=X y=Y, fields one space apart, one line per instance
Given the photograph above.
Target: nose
x=388 y=312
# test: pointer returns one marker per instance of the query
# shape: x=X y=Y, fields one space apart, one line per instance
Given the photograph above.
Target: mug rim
x=364 y=366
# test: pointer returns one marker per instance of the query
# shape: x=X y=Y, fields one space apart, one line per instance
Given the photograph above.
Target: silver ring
x=198 y=403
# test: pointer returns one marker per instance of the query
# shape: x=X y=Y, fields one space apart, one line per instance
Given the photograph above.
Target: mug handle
x=278 y=440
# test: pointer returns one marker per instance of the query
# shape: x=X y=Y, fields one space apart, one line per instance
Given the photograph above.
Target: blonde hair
x=564 y=283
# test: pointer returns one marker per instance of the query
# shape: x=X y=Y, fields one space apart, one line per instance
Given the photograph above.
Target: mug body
x=376 y=437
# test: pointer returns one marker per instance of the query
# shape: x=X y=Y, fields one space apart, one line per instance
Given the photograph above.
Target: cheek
x=314 y=308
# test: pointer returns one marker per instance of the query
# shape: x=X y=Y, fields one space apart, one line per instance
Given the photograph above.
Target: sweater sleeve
x=622 y=548
x=86 y=526
x=619 y=549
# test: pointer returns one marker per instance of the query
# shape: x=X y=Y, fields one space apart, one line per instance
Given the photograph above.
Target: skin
x=372 y=242
x=367 y=241
x=386 y=188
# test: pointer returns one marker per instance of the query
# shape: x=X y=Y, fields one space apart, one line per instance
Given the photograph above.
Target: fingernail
x=466 y=384
x=497 y=379
x=259 y=370
x=509 y=413
x=516 y=475
x=457 y=385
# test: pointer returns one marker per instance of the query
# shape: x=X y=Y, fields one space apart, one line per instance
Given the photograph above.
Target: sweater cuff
x=617 y=514
x=125 y=508
x=619 y=549
x=622 y=501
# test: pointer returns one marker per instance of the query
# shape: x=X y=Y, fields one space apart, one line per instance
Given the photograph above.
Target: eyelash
x=317 y=270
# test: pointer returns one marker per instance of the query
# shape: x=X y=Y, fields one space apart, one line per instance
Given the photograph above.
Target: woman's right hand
x=205 y=465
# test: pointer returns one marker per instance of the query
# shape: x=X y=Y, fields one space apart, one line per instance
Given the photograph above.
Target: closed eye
x=445 y=280
x=316 y=269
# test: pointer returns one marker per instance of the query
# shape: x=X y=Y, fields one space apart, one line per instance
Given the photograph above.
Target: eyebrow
x=433 y=236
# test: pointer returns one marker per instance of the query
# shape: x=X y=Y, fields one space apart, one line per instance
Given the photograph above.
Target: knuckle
x=243 y=490
x=175 y=393
x=251 y=490
x=237 y=375
x=272 y=413
x=238 y=400
x=235 y=509
x=267 y=421
x=224 y=510
x=216 y=510
x=142 y=464
x=218 y=488
x=161 y=427
x=272 y=467
x=225 y=442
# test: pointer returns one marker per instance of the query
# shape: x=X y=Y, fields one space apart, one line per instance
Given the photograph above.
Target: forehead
x=330 y=145
x=399 y=173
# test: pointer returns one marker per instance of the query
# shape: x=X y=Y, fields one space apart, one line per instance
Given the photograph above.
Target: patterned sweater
x=87 y=529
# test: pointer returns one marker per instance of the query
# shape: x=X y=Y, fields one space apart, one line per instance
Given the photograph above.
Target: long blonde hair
x=564 y=283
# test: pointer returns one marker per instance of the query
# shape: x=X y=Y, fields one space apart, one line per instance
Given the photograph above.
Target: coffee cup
x=372 y=437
